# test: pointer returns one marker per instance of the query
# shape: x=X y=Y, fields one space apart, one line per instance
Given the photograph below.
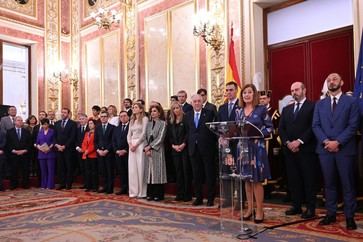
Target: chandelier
x=209 y=30
x=105 y=18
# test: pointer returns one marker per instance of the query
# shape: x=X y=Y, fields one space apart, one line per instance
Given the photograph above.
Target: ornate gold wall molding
x=75 y=55
x=88 y=9
x=131 y=85
x=52 y=54
x=27 y=10
x=217 y=60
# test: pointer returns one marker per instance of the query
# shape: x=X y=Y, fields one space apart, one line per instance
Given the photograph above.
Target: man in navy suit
x=201 y=143
x=81 y=130
x=335 y=124
x=121 y=147
x=18 y=143
x=182 y=99
x=65 y=136
x=207 y=105
x=227 y=112
x=105 y=157
x=299 y=145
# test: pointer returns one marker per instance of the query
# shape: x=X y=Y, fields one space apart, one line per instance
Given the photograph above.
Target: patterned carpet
x=48 y=215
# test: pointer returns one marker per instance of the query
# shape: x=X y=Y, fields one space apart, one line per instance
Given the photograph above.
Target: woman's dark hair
x=29 y=118
x=44 y=121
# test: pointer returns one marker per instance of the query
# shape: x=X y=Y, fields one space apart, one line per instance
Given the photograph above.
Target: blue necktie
x=297 y=107
x=18 y=133
x=230 y=108
x=196 y=119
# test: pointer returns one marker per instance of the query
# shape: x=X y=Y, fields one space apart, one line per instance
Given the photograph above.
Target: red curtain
x=310 y=60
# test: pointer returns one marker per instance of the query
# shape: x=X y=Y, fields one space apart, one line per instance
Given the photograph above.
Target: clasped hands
x=331 y=145
x=178 y=148
x=294 y=146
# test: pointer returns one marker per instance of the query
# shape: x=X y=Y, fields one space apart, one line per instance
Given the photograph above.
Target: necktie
x=63 y=123
x=18 y=133
x=230 y=108
x=297 y=107
x=196 y=119
x=13 y=119
x=104 y=128
x=333 y=107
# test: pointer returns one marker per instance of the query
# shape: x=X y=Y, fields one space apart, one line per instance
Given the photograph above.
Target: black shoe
x=101 y=191
x=61 y=187
x=149 y=198
x=226 y=205
x=68 y=187
x=308 y=214
x=187 y=199
x=293 y=211
x=83 y=187
x=158 y=199
x=1 y=189
x=87 y=190
x=237 y=206
x=198 y=202
x=351 y=225
x=248 y=217
x=210 y=203
x=109 y=192
x=179 y=198
x=122 y=192
x=258 y=221
x=328 y=219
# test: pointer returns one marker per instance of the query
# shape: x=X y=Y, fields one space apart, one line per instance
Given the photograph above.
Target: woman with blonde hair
x=177 y=134
x=257 y=167
x=137 y=142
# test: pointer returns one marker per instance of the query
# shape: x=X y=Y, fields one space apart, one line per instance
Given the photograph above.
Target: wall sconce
x=209 y=30
x=61 y=74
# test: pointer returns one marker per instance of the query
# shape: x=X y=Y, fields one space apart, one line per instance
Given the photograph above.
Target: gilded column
x=52 y=54
x=75 y=55
x=217 y=58
x=131 y=85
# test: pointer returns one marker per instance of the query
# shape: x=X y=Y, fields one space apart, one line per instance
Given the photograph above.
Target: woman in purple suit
x=46 y=154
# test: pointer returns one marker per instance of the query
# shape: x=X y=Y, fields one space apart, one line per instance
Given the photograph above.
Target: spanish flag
x=232 y=71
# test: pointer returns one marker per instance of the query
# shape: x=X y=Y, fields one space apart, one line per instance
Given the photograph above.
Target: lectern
x=235 y=165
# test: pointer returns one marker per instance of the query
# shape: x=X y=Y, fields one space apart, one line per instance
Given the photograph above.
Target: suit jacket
x=223 y=112
x=119 y=138
x=80 y=135
x=6 y=123
x=187 y=107
x=104 y=141
x=2 y=145
x=67 y=135
x=341 y=125
x=300 y=128
x=211 y=107
x=129 y=112
x=200 y=135
x=49 y=139
x=13 y=142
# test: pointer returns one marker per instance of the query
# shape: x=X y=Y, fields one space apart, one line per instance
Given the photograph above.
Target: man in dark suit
x=103 y=145
x=81 y=130
x=2 y=157
x=335 y=123
x=121 y=148
x=227 y=112
x=182 y=99
x=128 y=106
x=65 y=136
x=299 y=149
x=18 y=143
x=201 y=143
x=207 y=105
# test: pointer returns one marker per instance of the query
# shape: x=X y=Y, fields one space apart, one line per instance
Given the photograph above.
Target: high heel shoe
x=258 y=221
x=249 y=216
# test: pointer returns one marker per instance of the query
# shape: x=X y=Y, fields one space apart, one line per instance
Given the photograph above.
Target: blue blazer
x=223 y=112
x=341 y=125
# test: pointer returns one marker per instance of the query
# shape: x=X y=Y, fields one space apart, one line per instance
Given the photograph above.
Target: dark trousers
x=19 y=164
x=123 y=170
x=155 y=191
x=332 y=166
x=183 y=171
x=65 y=168
x=2 y=164
x=107 y=164
x=302 y=177
x=91 y=174
x=203 y=166
x=80 y=169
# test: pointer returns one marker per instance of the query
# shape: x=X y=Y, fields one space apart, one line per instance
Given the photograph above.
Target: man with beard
x=335 y=124
x=299 y=150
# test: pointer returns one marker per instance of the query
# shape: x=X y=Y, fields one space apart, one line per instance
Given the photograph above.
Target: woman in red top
x=90 y=155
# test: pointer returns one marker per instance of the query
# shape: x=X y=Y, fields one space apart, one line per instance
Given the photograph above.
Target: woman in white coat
x=137 y=142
